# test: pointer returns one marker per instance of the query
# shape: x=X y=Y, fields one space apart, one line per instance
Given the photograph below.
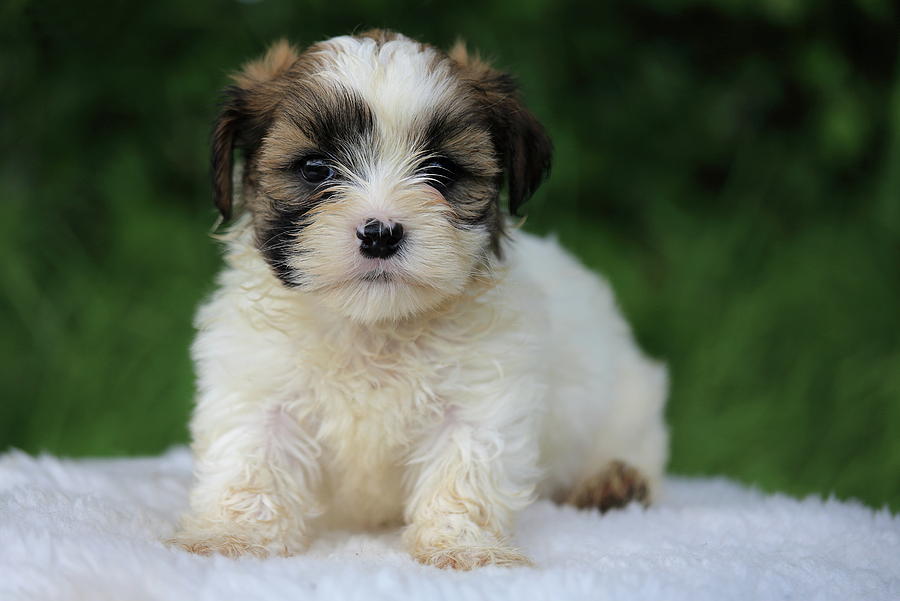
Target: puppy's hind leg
x=623 y=470
x=615 y=486
x=630 y=448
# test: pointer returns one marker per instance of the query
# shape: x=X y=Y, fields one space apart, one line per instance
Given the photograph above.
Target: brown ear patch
x=280 y=57
x=381 y=36
x=222 y=150
x=524 y=147
x=459 y=53
x=246 y=110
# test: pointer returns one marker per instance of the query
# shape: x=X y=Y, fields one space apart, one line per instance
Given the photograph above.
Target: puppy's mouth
x=378 y=276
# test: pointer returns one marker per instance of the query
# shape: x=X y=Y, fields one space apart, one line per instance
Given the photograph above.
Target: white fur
x=399 y=78
x=530 y=385
x=88 y=530
x=447 y=396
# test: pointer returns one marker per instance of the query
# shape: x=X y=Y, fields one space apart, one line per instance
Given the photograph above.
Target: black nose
x=379 y=240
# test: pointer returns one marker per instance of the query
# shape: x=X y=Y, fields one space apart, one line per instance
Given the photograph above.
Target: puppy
x=382 y=349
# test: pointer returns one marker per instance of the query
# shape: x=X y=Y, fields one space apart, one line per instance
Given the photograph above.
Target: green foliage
x=733 y=166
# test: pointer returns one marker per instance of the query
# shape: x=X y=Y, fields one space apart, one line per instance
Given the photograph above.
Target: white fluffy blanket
x=91 y=530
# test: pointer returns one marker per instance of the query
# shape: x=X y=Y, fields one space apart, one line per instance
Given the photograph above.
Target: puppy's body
x=440 y=386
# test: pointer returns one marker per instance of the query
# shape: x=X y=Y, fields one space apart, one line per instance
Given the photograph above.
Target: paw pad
x=616 y=486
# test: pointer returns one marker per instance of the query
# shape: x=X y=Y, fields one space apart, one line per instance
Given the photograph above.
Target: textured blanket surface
x=91 y=529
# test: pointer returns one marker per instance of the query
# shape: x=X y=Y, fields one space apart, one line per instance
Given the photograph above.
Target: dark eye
x=316 y=170
x=440 y=172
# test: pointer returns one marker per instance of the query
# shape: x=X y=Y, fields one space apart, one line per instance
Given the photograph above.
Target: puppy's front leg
x=467 y=482
x=256 y=475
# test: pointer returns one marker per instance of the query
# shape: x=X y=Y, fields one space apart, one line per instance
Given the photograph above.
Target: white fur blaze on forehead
x=400 y=79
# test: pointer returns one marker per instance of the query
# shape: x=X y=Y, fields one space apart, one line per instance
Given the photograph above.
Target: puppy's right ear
x=246 y=112
x=229 y=124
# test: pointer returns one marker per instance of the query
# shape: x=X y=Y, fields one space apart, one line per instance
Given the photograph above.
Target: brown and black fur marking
x=247 y=108
x=276 y=113
x=524 y=147
x=617 y=486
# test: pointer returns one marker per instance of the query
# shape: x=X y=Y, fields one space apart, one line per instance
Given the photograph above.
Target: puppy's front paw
x=234 y=544
x=467 y=557
x=228 y=545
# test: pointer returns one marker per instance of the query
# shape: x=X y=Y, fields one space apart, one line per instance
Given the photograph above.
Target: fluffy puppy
x=381 y=350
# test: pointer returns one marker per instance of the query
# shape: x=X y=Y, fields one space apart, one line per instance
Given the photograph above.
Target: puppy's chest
x=372 y=394
x=371 y=400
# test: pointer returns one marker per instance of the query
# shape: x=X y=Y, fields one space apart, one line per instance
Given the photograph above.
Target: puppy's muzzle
x=378 y=240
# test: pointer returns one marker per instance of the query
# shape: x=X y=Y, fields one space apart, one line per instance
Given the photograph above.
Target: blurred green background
x=733 y=166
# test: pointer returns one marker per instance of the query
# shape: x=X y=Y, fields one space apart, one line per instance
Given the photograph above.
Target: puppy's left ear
x=524 y=146
x=245 y=115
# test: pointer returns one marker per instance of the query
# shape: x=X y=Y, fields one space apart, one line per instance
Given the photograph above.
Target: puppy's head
x=373 y=166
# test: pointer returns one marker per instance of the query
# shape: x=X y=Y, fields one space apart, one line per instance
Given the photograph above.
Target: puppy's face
x=373 y=167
